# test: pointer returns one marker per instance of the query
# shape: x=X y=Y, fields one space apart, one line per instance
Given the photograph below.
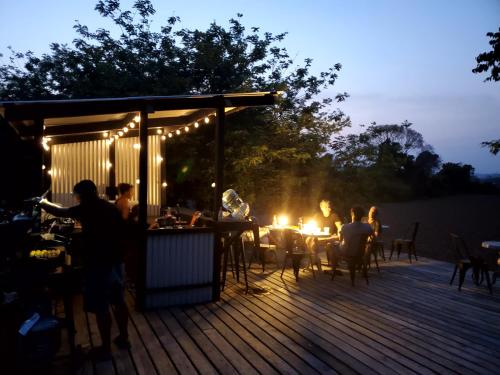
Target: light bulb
x=170 y=135
x=137 y=146
x=137 y=181
x=105 y=135
x=43 y=167
x=137 y=118
x=196 y=125
x=159 y=131
x=120 y=133
x=207 y=120
x=125 y=129
x=213 y=184
x=163 y=137
x=131 y=125
x=178 y=132
x=164 y=184
x=186 y=129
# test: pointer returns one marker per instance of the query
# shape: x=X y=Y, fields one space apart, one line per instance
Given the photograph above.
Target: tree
x=267 y=150
x=490 y=61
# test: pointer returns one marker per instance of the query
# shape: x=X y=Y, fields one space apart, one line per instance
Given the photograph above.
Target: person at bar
x=126 y=192
x=326 y=219
x=102 y=226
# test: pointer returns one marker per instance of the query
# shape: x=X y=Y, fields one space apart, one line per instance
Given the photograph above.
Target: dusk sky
x=402 y=60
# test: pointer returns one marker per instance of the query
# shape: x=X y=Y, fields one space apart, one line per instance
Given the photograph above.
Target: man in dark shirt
x=102 y=228
x=327 y=218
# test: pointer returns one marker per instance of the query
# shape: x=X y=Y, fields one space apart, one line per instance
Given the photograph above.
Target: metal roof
x=92 y=116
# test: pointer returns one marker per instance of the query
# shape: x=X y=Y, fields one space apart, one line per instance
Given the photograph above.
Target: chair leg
x=454 y=273
x=284 y=265
x=414 y=248
x=382 y=252
x=352 y=271
x=263 y=258
x=398 y=246
x=365 y=272
x=488 y=282
x=244 y=269
x=461 y=277
x=376 y=262
x=392 y=249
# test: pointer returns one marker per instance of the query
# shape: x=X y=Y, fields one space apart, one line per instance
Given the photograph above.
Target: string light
x=137 y=181
x=159 y=159
x=170 y=135
x=43 y=167
x=196 y=125
x=163 y=137
x=178 y=132
x=164 y=184
x=207 y=120
x=125 y=129
x=213 y=184
x=159 y=131
x=120 y=133
x=111 y=140
x=131 y=125
x=137 y=118
x=49 y=172
x=137 y=146
x=108 y=165
x=116 y=136
x=186 y=129
x=105 y=135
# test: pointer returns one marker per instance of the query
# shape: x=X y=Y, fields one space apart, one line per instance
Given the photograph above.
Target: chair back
x=293 y=241
x=356 y=246
x=416 y=225
x=459 y=248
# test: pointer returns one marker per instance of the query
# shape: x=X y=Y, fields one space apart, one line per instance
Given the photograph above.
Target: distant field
x=475 y=217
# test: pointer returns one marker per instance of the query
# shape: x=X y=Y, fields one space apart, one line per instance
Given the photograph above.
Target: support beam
x=39 y=158
x=163 y=173
x=112 y=172
x=143 y=170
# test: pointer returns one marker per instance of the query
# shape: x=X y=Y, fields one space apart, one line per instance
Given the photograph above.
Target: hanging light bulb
x=137 y=146
x=207 y=120
x=137 y=118
x=137 y=181
x=159 y=131
x=213 y=184
x=120 y=133
x=105 y=135
x=111 y=140
x=131 y=125
x=186 y=129
x=164 y=184
x=178 y=132
x=196 y=125
x=170 y=135
x=108 y=165
x=163 y=137
x=116 y=136
x=43 y=167
x=159 y=159
x=125 y=129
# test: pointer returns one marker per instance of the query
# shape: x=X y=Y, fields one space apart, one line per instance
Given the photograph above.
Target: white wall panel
x=127 y=168
x=73 y=162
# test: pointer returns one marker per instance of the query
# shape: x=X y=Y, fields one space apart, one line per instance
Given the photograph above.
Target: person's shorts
x=102 y=287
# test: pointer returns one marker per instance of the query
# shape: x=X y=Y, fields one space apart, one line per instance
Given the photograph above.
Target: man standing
x=103 y=264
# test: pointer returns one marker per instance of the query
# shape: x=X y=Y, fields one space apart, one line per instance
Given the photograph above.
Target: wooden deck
x=408 y=320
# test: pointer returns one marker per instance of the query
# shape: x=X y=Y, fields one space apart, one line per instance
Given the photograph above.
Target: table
x=494 y=247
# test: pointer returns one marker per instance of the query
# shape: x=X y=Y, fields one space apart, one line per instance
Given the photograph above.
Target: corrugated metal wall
x=179 y=260
x=127 y=168
x=74 y=162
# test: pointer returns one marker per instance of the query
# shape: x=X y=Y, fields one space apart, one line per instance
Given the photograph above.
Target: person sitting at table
x=102 y=228
x=374 y=221
x=350 y=235
x=326 y=219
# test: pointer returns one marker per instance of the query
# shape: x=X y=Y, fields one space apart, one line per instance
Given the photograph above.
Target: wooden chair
x=296 y=250
x=356 y=258
x=408 y=243
x=464 y=261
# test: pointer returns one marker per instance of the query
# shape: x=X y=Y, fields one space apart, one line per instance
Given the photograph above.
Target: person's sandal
x=122 y=343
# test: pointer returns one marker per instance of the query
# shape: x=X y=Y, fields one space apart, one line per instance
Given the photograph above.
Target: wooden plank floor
x=407 y=320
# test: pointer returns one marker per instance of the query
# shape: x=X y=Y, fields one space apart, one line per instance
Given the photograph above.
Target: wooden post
x=112 y=172
x=163 y=172
x=39 y=157
x=219 y=182
x=143 y=210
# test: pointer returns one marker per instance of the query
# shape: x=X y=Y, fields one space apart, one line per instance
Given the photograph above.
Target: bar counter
x=179 y=266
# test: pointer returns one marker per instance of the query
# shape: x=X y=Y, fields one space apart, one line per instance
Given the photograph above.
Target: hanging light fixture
x=164 y=184
x=159 y=131
x=196 y=125
x=207 y=120
x=125 y=129
x=178 y=132
x=186 y=129
x=170 y=135
x=163 y=137
x=131 y=125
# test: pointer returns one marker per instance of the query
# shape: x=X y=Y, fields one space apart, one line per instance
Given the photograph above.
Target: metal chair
x=296 y=250
x=464 y=261
x=408 y=243
x=356 y=257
